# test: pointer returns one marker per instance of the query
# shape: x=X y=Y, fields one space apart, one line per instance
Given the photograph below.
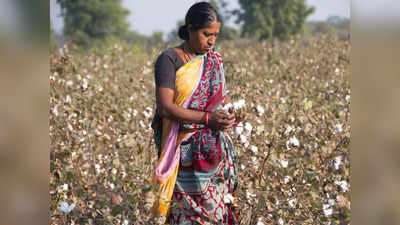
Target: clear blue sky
x=148 y=16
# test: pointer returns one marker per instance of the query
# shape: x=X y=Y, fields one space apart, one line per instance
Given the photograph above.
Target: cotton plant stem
x=263 y=164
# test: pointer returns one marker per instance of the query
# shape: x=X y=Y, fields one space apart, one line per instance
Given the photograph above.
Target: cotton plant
x=236 y=107
x=289 y=129
x=239 y=129
x=328 y=208
x=293 y=141
x=343 y=185
x=272 y=101
x=337 y=161
x=337 y=129
x=260 y=221
x=254 y=149
x=228 y=198
x=65 y=207
x=292 y=202
x=248 y=128
x=284 y=163
x=260 y=110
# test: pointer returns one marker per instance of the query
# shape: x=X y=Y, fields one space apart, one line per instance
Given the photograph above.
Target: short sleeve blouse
x=165 y=68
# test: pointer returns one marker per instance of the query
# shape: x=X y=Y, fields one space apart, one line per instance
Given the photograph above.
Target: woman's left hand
x=221 y=120
x=230 y=120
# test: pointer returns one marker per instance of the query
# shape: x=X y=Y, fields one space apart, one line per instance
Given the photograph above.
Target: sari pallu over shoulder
x=205 y=153
x=187 y=81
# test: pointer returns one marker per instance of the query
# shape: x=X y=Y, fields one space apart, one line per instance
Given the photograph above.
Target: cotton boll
x=288 y=129
x=239 y=104
x=228 y=198
x=112 y=186
x=284 y=163
x=328 y=210
x=260 y=110
x=250 y=195
x=254 y=149
x=242 y=139
x=338 y=160
x=259 y=221
x=292 y=202
x=239 y=130
x=337 y=71
x=342 y=184
x=337 y=129
x=69 y=83
x=65 y=207
x=293 y=141
x=248 y=127
x=227 y=106
x=85 y=84
x=286 y=179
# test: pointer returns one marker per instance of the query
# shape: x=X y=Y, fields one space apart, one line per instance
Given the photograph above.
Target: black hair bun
x=183 y=32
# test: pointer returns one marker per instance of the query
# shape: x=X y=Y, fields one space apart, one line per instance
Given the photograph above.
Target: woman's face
x=203 y=39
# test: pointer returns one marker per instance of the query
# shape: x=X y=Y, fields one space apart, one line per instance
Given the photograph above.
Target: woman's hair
x=200 y=15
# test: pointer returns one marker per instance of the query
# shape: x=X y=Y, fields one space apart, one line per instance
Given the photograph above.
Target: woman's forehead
x=212 y=27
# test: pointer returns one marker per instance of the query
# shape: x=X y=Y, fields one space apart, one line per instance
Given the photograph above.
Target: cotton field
x=293 y=146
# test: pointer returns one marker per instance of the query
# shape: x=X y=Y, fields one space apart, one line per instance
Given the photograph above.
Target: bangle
x=205 y=118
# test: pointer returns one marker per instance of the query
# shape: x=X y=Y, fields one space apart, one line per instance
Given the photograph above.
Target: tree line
x=91 y=22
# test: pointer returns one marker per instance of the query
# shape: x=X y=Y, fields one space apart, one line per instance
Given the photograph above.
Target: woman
x=197 y=165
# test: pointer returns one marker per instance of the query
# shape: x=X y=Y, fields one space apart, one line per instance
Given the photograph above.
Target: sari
x=197 y=166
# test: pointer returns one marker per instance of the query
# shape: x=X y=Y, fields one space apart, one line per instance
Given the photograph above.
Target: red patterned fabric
x=212 y=171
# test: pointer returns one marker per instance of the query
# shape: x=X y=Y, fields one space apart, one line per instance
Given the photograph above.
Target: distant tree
x=133 y=37
x=222 y=7
x=226 y=32
x=334 y=20
x=156 y=39
x=265 y=19
x=319 y=27
x=93 y=19
x=339 y=22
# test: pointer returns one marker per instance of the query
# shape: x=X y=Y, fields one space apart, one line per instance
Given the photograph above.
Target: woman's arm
x=165 y=103
x=172 y=111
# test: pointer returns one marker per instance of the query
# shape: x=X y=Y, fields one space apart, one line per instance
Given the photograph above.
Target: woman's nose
x=211 y=41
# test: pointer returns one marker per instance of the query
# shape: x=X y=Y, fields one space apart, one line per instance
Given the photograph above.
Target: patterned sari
x=197 y=166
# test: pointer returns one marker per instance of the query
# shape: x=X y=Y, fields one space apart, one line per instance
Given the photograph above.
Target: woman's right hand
x=221 y=120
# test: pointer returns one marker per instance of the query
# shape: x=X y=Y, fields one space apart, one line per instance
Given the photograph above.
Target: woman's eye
x=207 y=34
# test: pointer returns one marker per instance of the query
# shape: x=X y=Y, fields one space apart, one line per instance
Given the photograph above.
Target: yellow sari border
x=186 y=82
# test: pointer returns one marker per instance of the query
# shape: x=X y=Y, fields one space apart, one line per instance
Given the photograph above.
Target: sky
x=148 y=16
